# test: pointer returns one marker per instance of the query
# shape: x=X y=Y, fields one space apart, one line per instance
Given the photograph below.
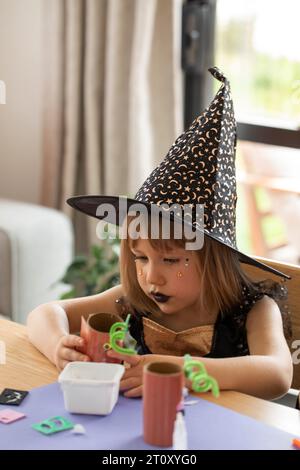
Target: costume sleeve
x=279 y=293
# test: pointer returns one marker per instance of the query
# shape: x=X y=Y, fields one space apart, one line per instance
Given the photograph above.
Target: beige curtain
x=113 y=97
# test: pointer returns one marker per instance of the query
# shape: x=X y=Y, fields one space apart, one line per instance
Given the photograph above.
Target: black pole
x=198 y=38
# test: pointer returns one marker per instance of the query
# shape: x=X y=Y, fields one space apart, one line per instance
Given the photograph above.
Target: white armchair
x=36 y=246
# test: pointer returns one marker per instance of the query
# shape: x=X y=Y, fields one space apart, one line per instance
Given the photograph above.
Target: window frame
x=198 y=85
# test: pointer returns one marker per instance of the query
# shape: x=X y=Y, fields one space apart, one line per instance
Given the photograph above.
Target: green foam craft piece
x=195 y=371
x=116 y=335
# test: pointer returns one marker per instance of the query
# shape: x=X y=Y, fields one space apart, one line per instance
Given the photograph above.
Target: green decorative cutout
x=53 y=425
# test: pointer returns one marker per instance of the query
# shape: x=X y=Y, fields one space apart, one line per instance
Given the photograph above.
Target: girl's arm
x=48 y=323
x=266 y=373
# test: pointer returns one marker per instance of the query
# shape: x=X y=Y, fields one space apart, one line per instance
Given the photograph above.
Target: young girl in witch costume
x=185 y=301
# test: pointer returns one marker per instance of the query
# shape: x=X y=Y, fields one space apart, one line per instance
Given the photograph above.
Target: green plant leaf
x=88 y=275
x=68 y=295
x=79 y=261
x=97 y=251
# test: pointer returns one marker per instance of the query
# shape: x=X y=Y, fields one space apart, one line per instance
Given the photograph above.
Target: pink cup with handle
x=95 y=332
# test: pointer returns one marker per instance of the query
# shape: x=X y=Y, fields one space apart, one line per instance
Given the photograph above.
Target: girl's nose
x=154 y=275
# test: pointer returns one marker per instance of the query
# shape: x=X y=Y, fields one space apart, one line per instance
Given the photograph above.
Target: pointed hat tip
x=216 y=73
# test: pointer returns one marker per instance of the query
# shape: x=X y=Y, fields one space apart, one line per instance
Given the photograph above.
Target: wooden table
x=27 y=368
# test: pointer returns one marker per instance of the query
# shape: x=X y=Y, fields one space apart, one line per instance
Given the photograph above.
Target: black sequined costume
x=230 y=336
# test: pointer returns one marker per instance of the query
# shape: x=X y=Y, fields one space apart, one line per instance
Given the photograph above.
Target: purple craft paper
x=209 y=427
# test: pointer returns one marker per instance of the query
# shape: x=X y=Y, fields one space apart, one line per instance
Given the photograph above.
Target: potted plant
x=88 y=275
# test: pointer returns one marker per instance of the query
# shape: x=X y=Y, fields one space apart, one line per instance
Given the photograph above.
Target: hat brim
x=90 y=204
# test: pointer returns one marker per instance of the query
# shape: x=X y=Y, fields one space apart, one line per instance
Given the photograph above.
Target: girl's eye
x=171 y=261
x=142 y=258
x=166 y=260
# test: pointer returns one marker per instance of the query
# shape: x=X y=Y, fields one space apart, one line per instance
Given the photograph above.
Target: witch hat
x=199 y=169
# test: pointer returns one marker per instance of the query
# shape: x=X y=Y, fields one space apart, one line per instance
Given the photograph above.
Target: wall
x=21 y=39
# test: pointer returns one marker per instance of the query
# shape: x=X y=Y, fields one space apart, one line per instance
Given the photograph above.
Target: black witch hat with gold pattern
x=199 y=169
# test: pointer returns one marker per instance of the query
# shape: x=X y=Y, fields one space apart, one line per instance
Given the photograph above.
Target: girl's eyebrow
x=166 y=254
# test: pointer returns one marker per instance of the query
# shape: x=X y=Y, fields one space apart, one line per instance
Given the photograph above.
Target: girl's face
x=170 y=278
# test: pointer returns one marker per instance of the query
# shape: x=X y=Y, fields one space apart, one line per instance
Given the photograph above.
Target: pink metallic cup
x=162 y=393
x=95 y=332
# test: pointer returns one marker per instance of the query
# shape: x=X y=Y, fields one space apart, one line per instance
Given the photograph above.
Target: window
x=257 y=47
x=259 y=50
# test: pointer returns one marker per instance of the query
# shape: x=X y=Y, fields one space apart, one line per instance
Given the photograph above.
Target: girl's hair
x=221 y=277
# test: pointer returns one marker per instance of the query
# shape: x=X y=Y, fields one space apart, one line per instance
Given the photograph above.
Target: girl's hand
x=132 y=380
x=65 y=351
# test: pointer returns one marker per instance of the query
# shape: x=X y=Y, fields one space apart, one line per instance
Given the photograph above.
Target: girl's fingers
x=133 y=360
x=71 y=355
x=188 y=384
x=131 y=371
x=84 y=358
x=129 y=383
x=62 y=365
x=134 y=392
x=70 y=341
x=68 y=354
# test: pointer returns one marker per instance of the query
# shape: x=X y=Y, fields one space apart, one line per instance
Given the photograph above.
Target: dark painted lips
x=160 y=297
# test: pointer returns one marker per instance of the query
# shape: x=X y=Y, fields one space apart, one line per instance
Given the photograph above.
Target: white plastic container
x=91 y=387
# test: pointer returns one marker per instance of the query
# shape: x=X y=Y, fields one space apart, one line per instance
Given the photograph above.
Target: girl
x=195 y=301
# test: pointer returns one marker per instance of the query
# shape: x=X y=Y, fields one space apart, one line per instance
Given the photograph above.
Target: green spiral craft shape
x=201 y=382
x=117 y=333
